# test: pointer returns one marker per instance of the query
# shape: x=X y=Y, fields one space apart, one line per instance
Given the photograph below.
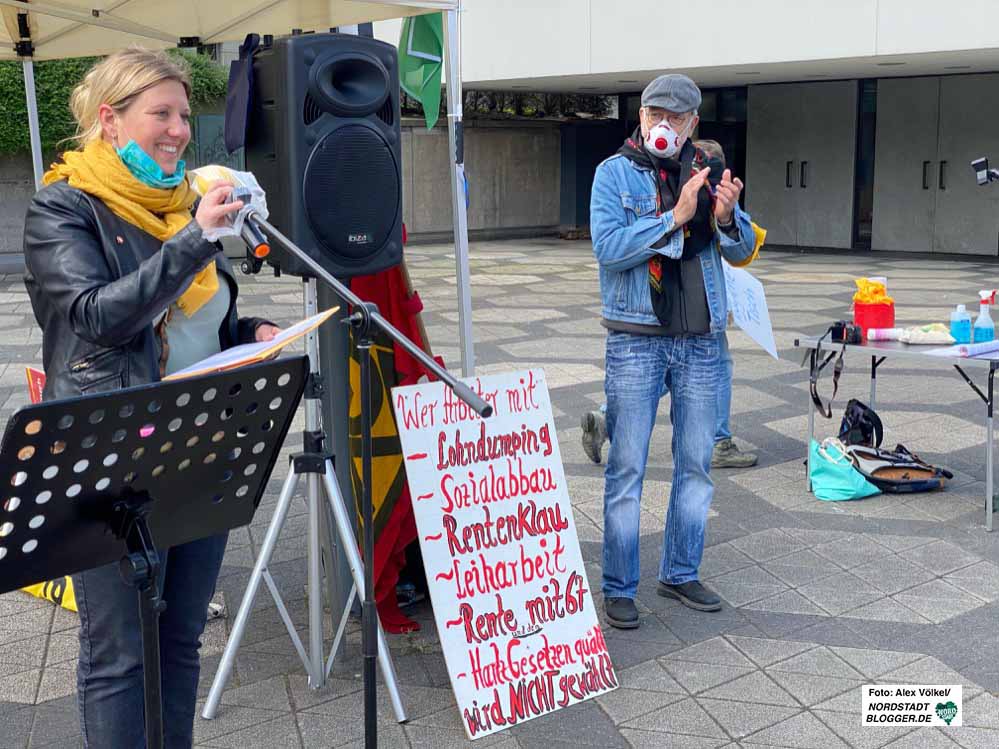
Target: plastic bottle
x=960 y=325
x=890 y=334
x=985 y=329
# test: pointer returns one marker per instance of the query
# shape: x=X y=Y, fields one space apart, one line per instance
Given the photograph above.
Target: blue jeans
x=109 y=674
x=723 y=430
x=639 y=371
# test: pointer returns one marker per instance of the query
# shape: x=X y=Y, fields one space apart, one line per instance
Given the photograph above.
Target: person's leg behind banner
x=726 y=453
x=723 y=430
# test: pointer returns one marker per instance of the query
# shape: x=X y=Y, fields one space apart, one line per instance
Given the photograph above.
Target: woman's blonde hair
x=116 y=81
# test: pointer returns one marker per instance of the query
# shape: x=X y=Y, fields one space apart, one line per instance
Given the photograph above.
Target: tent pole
x=33 y=131
x=456 y=157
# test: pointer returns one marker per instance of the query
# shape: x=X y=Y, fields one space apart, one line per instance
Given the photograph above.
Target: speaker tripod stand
x=364 y=318
x=316 y=467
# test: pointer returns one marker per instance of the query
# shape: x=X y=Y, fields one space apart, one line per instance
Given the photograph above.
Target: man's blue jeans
x=109 y=674
x=639 y=371
x=723 y=430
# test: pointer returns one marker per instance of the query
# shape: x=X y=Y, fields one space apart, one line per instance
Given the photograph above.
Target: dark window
x=863 y=207
x=723 y=118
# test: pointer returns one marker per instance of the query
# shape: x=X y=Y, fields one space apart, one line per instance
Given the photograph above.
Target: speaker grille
x=352 y=192
x=311 y=111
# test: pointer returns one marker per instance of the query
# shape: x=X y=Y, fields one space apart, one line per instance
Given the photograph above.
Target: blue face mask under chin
x=145 y=169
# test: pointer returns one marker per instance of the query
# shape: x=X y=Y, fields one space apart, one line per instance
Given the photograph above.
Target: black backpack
x=897 y=471
x=860 y=425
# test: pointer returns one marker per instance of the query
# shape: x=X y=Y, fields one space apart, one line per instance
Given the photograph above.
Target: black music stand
x=116 y=476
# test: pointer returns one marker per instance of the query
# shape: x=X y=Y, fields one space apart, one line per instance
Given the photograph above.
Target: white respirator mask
x=665 y=142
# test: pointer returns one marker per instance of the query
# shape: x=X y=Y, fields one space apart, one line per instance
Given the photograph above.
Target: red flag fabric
x=395 y=524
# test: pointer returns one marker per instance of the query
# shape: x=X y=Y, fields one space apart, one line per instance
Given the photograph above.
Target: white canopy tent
x=44 y=30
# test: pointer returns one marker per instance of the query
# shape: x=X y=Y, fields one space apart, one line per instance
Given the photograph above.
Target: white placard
x=748 y=304
x=511 y=599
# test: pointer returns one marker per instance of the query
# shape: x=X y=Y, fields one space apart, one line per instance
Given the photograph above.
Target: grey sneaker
x=594 y=434
x=727 y=455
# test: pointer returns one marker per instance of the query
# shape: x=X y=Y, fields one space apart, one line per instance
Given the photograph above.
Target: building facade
x=853 y=123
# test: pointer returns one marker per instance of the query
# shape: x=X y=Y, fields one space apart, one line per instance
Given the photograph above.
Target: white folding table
x=818 y=356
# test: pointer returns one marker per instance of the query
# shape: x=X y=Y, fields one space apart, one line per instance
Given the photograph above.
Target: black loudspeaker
x=323 y=140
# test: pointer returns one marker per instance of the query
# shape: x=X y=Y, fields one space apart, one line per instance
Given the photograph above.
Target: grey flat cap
x=674 y=92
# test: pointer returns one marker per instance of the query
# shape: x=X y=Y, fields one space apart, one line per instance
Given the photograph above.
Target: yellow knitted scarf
x=98 y=171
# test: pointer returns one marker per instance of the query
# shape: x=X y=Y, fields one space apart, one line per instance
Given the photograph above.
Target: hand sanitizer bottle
x=985 y=329
x=960 y=325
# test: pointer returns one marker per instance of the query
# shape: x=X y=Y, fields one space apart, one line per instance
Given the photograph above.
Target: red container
x=873 y=316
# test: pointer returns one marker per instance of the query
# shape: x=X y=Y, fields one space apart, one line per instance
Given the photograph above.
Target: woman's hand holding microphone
x=213 y=213
x=213 y=210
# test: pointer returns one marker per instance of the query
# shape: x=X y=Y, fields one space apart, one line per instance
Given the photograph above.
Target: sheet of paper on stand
x=249 y=353
x=748 y=304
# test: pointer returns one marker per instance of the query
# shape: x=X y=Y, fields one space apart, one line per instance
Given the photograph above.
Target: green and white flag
x=421 y=47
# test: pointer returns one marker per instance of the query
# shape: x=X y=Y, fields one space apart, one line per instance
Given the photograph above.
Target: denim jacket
x=623 y=224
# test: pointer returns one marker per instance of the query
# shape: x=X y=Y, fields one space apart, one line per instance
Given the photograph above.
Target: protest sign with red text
x=511 y=599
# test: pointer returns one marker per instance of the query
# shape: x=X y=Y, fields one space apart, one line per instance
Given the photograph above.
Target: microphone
x=256 y=242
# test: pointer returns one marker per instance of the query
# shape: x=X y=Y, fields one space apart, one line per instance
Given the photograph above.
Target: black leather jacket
x=96 y=284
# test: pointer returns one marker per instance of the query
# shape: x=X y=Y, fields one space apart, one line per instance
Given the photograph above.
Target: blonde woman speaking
x=126 y=289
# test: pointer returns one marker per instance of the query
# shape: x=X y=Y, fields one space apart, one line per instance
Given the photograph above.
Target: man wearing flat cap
x=660 y=230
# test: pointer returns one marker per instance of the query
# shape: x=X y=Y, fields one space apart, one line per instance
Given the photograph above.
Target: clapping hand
x=686 y=204
x=727 y=197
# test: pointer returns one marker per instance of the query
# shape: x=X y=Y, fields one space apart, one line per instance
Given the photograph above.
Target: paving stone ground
x=819 y=597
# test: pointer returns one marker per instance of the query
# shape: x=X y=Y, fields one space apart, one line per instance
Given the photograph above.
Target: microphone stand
x=364 y=316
